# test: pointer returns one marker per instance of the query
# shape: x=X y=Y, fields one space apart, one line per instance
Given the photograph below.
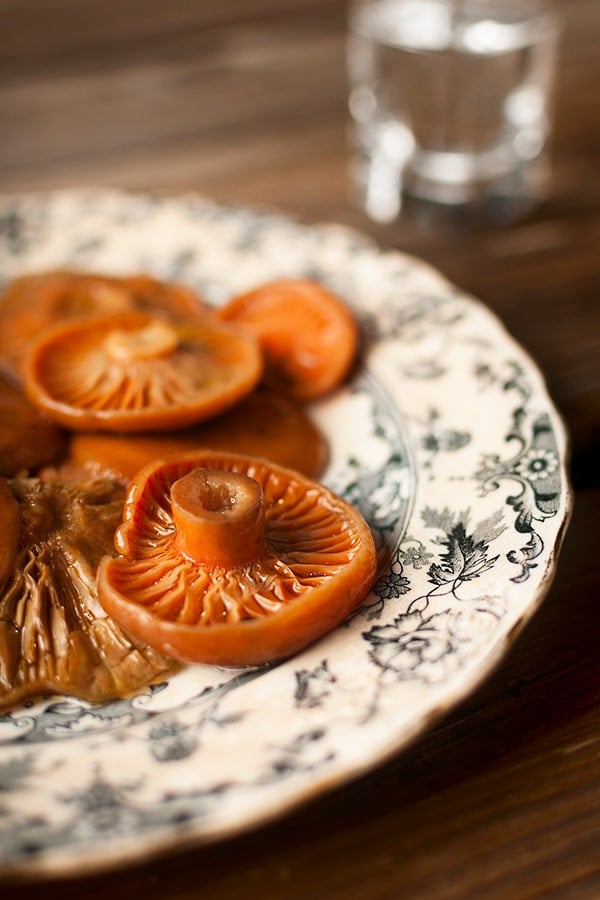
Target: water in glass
x=450 y=101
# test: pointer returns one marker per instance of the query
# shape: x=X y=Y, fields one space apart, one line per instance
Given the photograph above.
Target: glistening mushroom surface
x=54 y=634
x=138 y=372
x=316 y=562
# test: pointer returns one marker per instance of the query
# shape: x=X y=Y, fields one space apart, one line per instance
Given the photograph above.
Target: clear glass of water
x=450 y=104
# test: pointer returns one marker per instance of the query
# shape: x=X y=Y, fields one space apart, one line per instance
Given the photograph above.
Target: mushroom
x=54 y=634
x=9 y=531
x=308 y=335
x=155 y=296
x=139 y=372
x=35 y=302
x=28 y=439
x=266 y=423
x=231 y=560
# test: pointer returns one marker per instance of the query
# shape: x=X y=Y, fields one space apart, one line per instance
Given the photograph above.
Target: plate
x=445 y=439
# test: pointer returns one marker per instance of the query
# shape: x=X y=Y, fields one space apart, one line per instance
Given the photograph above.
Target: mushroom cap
x=266 y=423
x=28 y=439
x=54 y=634
x=318 y=563
x=136 y=372
x=308 y=335
x=34 y=302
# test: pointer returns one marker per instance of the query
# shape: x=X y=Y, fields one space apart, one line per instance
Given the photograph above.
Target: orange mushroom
x=266 y=423
x=308 y=335
x=35 y=302
x=139 y=372
x=230 y=560
x=28 y=439
x=155 y=296
x=54 y=634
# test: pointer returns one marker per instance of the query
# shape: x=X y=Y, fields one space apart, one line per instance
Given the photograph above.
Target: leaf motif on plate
x=534 y=470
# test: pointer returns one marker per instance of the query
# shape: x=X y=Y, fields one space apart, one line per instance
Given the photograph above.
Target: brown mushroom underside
x=54 y=634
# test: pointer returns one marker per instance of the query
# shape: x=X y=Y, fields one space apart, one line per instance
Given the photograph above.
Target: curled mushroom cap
x=138 y=372
x=266 y=423
x=54 y=634
x=230 y=560
x=308 y=335
x=35 y=302
x=28 y=439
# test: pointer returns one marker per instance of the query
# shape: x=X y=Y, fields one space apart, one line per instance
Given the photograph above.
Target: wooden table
x=245 y=101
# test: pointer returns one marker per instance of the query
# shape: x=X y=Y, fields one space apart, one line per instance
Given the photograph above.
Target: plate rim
x=154 y=843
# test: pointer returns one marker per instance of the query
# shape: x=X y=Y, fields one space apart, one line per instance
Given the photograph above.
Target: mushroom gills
x=231 y=560
x=54 y=634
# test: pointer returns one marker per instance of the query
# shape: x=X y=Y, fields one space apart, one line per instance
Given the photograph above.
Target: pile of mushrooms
x=117 y=561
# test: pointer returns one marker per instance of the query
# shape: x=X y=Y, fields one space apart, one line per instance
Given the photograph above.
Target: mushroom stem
x=219 y=517
x=150 y=342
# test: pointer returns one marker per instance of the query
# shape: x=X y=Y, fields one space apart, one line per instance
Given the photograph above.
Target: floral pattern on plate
x=447 y=442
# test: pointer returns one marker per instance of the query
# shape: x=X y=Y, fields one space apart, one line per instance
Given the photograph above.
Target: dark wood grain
x=245 y=101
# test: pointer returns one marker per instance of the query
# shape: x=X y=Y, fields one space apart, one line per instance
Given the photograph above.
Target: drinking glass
x=451 y=105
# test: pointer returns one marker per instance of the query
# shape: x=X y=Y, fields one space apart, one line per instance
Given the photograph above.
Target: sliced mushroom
x=230 y=560
x=138 y=372
x=266 y=424
x=54 y=634
x=28 y=439
x=35 y=302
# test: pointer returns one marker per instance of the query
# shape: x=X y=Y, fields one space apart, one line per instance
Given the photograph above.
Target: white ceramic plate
x=447 y=442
